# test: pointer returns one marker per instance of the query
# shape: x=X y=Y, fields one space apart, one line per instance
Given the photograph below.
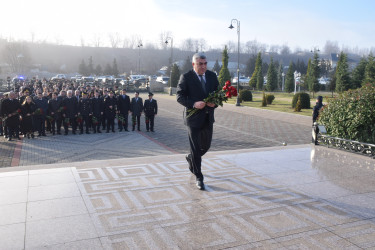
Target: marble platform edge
x=140 y=160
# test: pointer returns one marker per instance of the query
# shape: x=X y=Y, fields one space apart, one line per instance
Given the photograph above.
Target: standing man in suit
x=193 y=87
x=136 y=107
x=123 y=109
x=151 y=109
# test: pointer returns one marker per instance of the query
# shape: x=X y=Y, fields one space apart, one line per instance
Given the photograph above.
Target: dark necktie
x=203 y=83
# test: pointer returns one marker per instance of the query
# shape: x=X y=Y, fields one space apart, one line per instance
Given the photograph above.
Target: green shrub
x=305 y=100
x=264 y=101
x=246 y=95
x=351 y=115
x=270 y=98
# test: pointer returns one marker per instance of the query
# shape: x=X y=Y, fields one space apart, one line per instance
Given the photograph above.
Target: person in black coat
x=41 y=111
x=193 y=87
x=85 y=110
x=11 y=110
x=151 y=109
x=110 y=109
x=54 y=105
x=123 y=104
x=28 y=109
x=317 y=107
x=70 y=105
x=97 y=111
x=136 y=108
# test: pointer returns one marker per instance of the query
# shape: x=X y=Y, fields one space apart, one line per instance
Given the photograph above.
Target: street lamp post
x=238 y=57
x=139 y=57
x=296 y=75
x=283 y=81
x=171 y=67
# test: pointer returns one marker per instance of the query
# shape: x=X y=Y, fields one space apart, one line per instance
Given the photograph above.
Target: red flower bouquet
x=217 y=97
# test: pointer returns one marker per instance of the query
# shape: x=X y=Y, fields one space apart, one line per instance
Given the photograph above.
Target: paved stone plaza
x=134 y=190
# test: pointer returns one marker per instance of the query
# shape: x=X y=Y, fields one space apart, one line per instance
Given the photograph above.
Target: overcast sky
x=304 y=24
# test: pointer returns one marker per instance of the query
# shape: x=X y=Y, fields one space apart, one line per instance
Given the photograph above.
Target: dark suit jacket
x=136 y=106
x=189 y=91
x=123 y=104
x=150 y=108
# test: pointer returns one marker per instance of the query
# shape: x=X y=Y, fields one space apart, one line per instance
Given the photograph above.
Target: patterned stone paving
x=299 y=197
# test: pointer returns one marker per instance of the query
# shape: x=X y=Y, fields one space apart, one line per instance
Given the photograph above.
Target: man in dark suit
x=97 y=110
x=70 y=105
x=151 y=109
x=123 y=105
x=193 y=87
x=10 y=110
x=110 y=109
x=136 y=107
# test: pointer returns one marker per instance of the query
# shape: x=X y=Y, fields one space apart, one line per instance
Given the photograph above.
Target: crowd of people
x=61 y=106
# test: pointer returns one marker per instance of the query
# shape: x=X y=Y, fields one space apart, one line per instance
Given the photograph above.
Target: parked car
x=58 y=77
x=88 y=79
x=162 y=79
x=243 y=80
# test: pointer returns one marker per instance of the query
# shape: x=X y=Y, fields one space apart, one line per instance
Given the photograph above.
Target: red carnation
x=225 y=87
x=227 y=83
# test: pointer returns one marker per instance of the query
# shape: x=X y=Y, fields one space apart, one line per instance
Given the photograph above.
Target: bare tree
x=17 y=55
x=32 y=33
x=114 y=39
x=231 y=46
x=285 y=50
x=97 y=41
x=163 y=37
x=331 y=47
x=274 y=48
x=125 y=42
x=187 y=44
x=82 y=42
x=202 y=44
x=252 y=47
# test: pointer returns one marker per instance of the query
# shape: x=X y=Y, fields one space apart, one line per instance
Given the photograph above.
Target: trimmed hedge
x=246 y=95
x=305 y=100
x=351 y=115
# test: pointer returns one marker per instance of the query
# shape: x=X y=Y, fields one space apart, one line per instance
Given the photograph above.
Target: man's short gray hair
x=197 y=56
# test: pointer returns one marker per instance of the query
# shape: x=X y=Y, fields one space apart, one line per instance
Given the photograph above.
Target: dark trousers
x=58 y=122
x=40 y=124
x=103 y=121
x=96 y=127
x=111 y=124
x=136 y=121
x=200 y=142
x=85 y=119
x=150 y=122
x=123 y=125
x=13 y=131
x=73 y=123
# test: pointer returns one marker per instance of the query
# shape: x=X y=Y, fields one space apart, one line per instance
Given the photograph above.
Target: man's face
x=200 y=66
x=136 y=95
x=54 y=96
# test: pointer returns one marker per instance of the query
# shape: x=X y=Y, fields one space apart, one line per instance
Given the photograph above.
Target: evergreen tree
x=108 y=69
x=370 y=70
x=90 y=66
x=115 y=71
x=216 y=67
x=358 y=74
x=308 y=77
x=271 y=77
x=82 y=68
x=175 y=75
x=332 y=83
x=187 y=65
x=258 y=67
x=280 y=76
x=289 y=79
x=260 y=80
x=250 y=65
x=224 y=72
x=98 y=70
x=264 y=68
x=313 y=73
x=342 y=74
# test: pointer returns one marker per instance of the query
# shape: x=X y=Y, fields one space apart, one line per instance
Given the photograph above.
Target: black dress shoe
x=99 y=131
x=200 y=185
x=9 y=138
x=190 y=164
x=126 y=130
